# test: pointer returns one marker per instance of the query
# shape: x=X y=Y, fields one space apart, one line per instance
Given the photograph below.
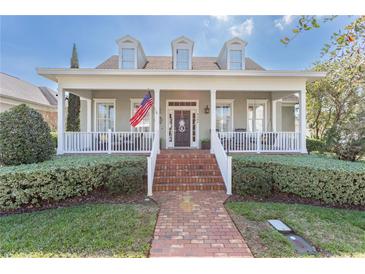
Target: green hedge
x=65 y=177
x=251 y=181
x=54 y=139
x=328 y=180
x=315 y=145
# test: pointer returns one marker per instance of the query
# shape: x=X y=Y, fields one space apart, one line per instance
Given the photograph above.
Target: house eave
x=54 y=73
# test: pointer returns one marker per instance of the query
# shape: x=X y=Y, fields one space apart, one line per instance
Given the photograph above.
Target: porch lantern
x=207 y=109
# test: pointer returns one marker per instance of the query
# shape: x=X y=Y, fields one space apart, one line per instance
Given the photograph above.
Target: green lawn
x=99 y=230
x=337 y=232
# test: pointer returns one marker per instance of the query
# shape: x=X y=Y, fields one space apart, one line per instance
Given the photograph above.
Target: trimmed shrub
x=54 y=139
x=315 y=145
x=251 y=181
x=126 y=180
x=331 y=181
x=24 y=137
x=63 y=177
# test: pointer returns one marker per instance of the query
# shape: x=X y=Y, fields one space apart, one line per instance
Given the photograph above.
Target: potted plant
x=205 y=144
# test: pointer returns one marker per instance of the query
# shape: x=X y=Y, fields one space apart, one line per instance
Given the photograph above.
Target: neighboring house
x=229 y=99
x=14 y=91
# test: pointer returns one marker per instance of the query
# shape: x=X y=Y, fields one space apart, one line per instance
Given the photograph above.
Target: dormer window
x=182 y=53
x=232 y=55
x=235 y=59
x=131 y=54
x=182 y=59
x=128 y=58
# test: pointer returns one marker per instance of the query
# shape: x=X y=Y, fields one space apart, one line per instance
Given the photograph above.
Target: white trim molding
x=52 y=73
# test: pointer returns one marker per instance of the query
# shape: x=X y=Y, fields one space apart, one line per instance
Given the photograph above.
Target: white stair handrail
x=224 y=162
x=151 y=163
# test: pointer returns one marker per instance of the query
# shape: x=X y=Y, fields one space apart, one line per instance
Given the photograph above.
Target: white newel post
x=212 y=118
x=229 y=175
x=60 y=120
x=109 y=141
x=157 y=116
x=303 y=120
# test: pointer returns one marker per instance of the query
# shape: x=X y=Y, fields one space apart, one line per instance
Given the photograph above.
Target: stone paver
x=195 y=223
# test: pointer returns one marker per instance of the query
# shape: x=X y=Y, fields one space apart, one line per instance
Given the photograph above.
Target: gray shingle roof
x=16 y=88
x=165 y=62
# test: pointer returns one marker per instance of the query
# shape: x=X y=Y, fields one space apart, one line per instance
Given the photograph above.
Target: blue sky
x=28 y=42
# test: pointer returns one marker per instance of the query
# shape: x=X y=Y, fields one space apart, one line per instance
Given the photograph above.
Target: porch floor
x=195 y=223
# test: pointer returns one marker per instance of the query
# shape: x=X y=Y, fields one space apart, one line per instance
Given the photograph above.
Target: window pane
x=128 y=58
x=235 y=59
x=182 y=59
x=236 y=56
x=250 y=112
x=256 y=117
x=128 y=54
x=259 y=125
x=250 y=127
x=260 y=112
x=223 y=118
x=105 y=117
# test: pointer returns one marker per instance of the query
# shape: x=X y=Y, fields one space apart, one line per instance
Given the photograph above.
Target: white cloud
x=222 y=18
x=245 y=28
x=283 y=21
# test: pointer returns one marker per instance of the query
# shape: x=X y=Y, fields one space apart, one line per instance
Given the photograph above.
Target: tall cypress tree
x=73 y=114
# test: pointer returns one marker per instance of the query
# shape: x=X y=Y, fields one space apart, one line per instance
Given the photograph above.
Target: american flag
x=142 y=110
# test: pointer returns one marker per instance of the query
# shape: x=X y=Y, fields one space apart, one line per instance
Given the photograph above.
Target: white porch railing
x=151 y=163
x=108 y=142
x=260 y=141
x=224 y=162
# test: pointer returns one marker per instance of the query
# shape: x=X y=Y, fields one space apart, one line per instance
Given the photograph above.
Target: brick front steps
x=184 y=170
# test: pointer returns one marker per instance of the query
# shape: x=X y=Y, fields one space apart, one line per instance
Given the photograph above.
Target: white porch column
x=157 y=115
x=88 y=107
x=60 y=120
x=303 y=120
x=273 y=117
x=212 y=118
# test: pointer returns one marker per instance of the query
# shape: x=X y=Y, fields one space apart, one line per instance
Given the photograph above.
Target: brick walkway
x=195 y=223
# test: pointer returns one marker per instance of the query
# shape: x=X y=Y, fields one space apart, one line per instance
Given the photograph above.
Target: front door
x=182 y=128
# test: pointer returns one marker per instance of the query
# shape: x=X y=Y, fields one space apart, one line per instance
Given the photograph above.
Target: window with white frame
x=128 y=58
x=105 y=116
x=146 y=123
x=235 y=59
x=256 y=115
x=224 y=116
x=182 y=59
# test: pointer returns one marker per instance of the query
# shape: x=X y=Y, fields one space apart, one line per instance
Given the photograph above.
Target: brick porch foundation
x=195 y=223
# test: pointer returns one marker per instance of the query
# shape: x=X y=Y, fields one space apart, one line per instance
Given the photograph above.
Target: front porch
x=242 y=121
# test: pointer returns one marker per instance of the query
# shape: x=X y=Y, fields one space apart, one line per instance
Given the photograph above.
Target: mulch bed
x=280 y=197
x=95 y=197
